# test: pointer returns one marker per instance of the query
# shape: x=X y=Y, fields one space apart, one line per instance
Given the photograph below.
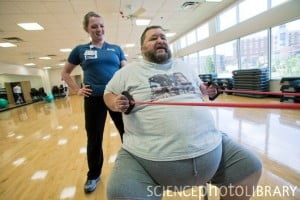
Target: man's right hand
x=121 y=103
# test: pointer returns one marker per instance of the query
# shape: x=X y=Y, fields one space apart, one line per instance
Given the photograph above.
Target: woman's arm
x=123 y=63
x=66 y=76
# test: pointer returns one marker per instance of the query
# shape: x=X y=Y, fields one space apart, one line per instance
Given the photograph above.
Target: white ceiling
x=62 y=21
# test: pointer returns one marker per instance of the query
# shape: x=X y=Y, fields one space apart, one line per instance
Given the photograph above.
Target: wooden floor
x=43 y=154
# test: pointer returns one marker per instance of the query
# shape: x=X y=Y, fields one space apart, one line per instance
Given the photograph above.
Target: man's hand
x=121 y=103
x=209 y=89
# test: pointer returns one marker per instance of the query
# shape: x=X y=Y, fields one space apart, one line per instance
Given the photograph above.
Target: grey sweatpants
x=134 y=178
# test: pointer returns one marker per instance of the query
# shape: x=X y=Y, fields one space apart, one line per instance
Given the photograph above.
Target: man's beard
x=160 y=58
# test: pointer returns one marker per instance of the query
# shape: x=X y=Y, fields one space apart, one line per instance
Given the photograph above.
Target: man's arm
x=116 y=103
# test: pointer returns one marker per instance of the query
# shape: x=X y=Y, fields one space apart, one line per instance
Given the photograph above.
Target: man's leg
x=238 y=173
x=130 y=181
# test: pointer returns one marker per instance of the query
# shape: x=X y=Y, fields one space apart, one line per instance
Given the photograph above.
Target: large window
x=277 y=2
x=286 y=50
x=277 y=48
x=254 y=50
x=228 y=18
x=202 y=32
x=193 y=62
x=172 y=48
x=226 y=59
x=191 y=37
x=183 y=42
x=206 y=59
x=251 y=8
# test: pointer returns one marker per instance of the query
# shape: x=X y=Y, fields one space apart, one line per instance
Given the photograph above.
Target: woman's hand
x=84 y=91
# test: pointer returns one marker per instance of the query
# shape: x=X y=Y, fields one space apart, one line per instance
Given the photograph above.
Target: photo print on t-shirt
x=167 y=85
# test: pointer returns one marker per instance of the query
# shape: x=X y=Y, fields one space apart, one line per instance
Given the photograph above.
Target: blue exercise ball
x=3 y=103
x=49 y=98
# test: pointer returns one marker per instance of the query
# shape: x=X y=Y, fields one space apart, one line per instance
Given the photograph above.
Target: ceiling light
x=142 y=22
x=188 y=5
x=29 y=64
x=7 y=44
x=129 y=45
x=46 y=67
x=61 y=64
x=45 y=58
x=66 y=50
x=170 y=34
x=31 y=26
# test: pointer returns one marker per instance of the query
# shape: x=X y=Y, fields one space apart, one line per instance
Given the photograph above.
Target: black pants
x=18 y=98
x=95 y=116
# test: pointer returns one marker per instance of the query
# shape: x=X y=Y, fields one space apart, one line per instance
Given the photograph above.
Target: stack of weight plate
x=208 y=77
x=290 y=84
x=224 y=83
x=251 y=79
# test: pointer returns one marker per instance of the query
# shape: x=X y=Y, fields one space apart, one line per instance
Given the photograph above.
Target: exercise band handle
x=209 y=83
x=131 y=101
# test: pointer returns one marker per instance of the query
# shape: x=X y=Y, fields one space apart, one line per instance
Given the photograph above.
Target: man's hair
x=147 y=29
x=87 y=17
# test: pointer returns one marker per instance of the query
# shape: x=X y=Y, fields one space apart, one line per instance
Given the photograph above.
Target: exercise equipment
x=49 y=98
x=263 y=93
x=220 y=90
x=289 y=86
x=251 y=79
x=131 y=101
x=3 y=103
x=227 y=104
x=224 y=83
x=218 y=104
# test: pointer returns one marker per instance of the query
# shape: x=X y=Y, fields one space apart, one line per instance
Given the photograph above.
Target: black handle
x=209 y=83
x=131 y=102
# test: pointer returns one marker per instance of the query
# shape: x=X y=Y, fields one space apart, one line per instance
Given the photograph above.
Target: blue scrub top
x=98 y=64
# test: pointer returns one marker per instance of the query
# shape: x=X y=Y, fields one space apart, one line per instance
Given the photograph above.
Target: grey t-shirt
x=164 y=132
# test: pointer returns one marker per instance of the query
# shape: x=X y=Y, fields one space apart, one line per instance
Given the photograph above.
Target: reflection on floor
x=12 y=106
x=43 y=153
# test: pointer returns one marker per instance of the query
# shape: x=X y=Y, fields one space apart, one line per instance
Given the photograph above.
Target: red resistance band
x=265 y=93
x=229 y=104
x=219 y=104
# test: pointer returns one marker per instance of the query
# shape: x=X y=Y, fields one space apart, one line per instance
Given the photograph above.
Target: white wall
x=35 y=81
x=19 y=70
x=10 y=69
x=37 y=77
x=55 y=77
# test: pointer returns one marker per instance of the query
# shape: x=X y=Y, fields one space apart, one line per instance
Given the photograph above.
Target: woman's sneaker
x=90 y=185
